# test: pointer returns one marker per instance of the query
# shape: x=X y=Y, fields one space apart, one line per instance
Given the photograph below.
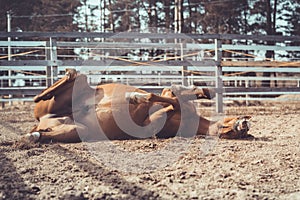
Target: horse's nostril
x=245 y=125
x=242 y=125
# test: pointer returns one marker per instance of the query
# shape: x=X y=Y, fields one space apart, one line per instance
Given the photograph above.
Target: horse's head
x=235 y=128
x=67 y=82
x=187 y=93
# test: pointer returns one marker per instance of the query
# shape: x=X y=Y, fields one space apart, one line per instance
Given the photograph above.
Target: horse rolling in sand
x=71 y=111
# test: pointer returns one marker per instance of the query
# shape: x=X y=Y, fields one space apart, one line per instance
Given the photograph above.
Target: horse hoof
x=137 y=97
x=32 y=137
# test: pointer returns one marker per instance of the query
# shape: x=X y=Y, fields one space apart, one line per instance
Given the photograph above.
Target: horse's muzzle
x=242 y=126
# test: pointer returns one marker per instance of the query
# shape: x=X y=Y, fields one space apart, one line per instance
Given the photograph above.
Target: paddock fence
x=234 y=67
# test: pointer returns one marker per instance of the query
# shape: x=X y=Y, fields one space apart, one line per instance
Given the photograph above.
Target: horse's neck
x=212 y=127
x=204 y=125
x=217 y=127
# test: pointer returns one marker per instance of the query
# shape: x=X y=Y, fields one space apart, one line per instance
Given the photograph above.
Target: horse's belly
x=114 y=123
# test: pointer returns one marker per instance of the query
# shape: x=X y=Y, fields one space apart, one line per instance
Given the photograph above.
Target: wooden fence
x=221 y=62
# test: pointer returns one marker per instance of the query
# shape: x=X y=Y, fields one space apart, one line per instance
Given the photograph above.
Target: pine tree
x=125 y=15
x=266 y=17
x=39 y=15
x=17 y=8
x=222 y=17
x=54 y=15
x=292 y=16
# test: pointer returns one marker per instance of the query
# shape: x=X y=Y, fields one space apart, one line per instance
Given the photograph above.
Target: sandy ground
x=267 y=167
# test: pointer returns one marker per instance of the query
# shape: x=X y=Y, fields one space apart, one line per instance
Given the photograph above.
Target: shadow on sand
x=106 y=176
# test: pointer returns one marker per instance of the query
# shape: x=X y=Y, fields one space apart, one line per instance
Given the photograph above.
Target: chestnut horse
x=71 y=111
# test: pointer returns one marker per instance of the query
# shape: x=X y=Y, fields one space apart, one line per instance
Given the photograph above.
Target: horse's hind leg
x=66 y=134
x=63 y=133
x=60 y=129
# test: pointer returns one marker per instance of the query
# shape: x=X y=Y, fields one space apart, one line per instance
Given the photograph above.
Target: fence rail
x=203 y=60
x=135 y=35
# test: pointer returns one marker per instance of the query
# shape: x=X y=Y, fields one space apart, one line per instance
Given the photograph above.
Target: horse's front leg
x=139 y=97
x=158 y=120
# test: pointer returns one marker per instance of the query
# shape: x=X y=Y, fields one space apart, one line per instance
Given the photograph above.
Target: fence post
x=184 y=69
x=9 y=53
x=51 y=55
x=184 y=80
x=247 y=95
x=54 y=69
x=48 y=68
x=218 y=74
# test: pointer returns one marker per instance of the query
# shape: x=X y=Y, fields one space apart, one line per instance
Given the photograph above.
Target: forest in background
x=268 y=17
x=246 y=17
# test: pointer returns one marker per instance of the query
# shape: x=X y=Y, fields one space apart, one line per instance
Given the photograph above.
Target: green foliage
x=17 y=7
x=55 y=15
x=39 y=15
x=204 y=16
x=223 y=17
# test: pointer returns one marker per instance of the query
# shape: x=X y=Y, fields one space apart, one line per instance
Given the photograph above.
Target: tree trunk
x=111 y=17
x=270 y=29
x=167 y=14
